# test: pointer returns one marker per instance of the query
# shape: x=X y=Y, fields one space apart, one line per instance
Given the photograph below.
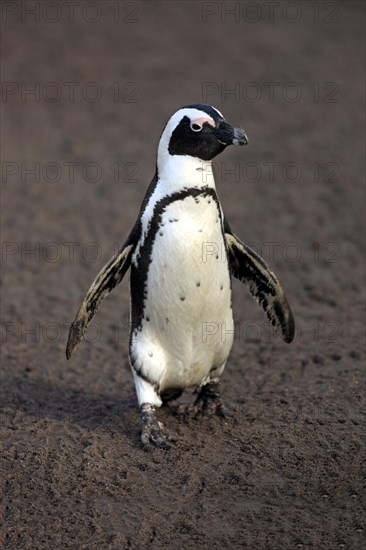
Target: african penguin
x=182 y=253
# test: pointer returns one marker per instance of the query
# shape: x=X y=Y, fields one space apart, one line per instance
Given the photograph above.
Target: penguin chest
x=187 y=295
x=188 y=272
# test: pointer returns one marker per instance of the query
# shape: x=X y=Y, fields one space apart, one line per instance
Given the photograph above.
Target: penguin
x=182 y=254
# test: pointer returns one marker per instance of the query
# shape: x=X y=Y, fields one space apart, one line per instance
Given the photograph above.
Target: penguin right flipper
x=108 y=277
x=252 y=270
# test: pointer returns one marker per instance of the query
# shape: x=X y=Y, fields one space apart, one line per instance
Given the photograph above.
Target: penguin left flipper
x=108 y=277
x=251 y=269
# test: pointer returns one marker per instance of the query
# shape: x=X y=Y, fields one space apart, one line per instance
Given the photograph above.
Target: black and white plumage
x=176 y=286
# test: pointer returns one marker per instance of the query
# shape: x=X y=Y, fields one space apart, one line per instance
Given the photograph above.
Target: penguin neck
x=182 y=171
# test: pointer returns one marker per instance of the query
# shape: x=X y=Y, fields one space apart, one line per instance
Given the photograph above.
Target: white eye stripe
x=200 y=121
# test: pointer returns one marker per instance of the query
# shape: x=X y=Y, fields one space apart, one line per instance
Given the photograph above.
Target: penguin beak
x=228 y=135
x=240 y=137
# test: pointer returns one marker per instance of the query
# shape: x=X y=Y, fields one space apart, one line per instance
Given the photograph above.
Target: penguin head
x=199 y=131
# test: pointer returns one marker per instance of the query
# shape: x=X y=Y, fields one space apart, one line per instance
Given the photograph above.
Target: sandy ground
x=285 y=469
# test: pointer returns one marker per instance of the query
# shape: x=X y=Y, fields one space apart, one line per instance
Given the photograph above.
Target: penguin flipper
x=251 y=269
x=108 y=277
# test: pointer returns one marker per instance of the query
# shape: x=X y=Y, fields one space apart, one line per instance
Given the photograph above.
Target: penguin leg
x=207 y=403
x=153 y=432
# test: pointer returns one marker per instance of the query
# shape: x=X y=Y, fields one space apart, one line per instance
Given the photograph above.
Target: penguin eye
x=196 y=127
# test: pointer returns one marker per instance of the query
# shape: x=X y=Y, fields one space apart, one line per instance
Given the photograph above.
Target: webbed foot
x=207 y=403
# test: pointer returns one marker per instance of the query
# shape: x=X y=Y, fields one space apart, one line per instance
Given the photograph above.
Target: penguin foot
x=207 y=403
x=153 y=431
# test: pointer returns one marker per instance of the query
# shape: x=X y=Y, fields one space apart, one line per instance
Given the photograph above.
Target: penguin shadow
x=35 y=400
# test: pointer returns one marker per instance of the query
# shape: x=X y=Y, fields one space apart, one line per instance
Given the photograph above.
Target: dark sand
x=285 y=470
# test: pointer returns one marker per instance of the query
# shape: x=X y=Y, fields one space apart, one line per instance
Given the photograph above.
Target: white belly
x=187 y=326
